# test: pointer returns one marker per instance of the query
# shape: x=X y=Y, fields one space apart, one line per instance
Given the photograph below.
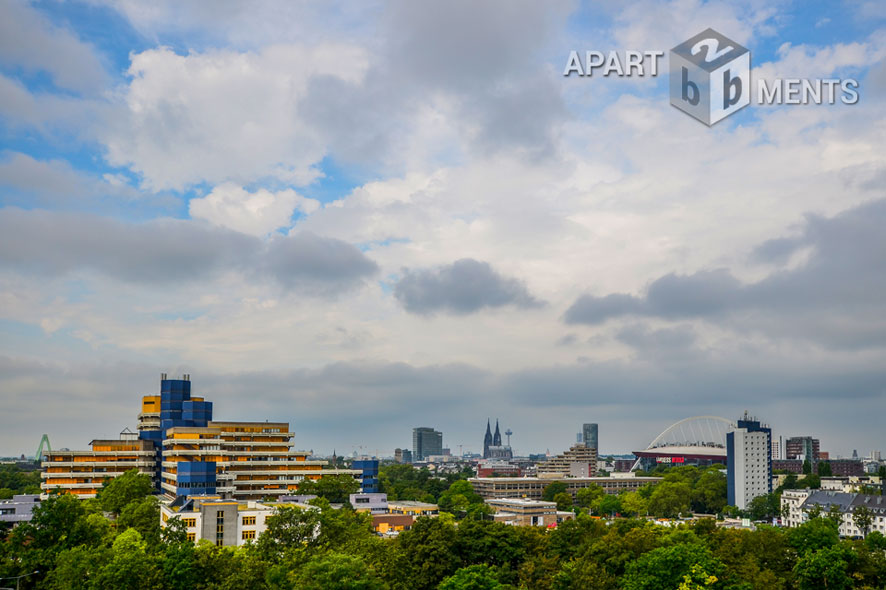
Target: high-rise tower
x=496 y=439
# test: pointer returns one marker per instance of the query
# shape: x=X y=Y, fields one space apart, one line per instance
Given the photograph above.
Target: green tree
x=427 y=553
x=670 y=499
x=337 y=571
x=709 y=491
x=608 y=505
x=667 y=567
x=633 y=504
x=474 y=577
x=812 y=535
x=765 y=507
x=564 y=501
x=583 y=573
x=335 y=488
x=807 y=467
x=863 y=518
x=585 y=497
x=289 y=528
x=78 y=568
x=144 y=516
x=824 y=469
x=459 y=498
x=130 y=566
x=552 y=489
x=123 y=489
x=824 y=568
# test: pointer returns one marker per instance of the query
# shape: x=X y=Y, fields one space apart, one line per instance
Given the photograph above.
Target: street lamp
x=18 y=580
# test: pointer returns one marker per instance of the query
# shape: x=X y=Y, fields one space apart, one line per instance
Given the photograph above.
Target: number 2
x=711 y=47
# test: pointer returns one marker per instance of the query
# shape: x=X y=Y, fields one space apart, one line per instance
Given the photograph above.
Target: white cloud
x=257 y=213
x=225 y=115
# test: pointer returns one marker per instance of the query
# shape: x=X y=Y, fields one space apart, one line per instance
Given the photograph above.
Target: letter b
x=687 y=86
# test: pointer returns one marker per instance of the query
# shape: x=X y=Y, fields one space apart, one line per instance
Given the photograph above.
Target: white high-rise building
x=748 y=462
x=777 y=448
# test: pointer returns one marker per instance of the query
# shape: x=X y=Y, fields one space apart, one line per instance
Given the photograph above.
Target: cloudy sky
x=364 y=217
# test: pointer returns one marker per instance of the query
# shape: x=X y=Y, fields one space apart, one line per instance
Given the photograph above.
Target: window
x=248 y=535
x=192 y=536
x=190 y=522
x=248 y=520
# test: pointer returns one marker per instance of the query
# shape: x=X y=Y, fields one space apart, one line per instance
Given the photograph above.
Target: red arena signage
x=670 y=459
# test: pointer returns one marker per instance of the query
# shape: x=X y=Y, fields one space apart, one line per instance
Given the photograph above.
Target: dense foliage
x=14 y=480
x=76 y=544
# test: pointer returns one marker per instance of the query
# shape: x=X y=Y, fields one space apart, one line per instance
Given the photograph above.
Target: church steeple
x=487 y=440
x=496 y=440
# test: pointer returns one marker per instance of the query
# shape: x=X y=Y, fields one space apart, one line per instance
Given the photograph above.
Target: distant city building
x=19 y=509
x=824 y=456
x=426 y=442
x=789 y=465
x=622 y=465
x=492 y=444
x=402 y=455
x=523 y=512
x=368 y=469
x=579 y=457
x=533 y=487
x=846 y=467
x=777 y=448
x=748 y=462
x=797 y=504
x=490 y=467
x=589 y=437
x=804 y=448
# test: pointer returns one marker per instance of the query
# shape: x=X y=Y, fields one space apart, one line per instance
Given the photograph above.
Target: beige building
x=579 y=461
x=523 y=512
x=532 y=487
x=227 y=523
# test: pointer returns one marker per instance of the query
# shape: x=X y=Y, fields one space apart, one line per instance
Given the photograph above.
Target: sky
x=365 y=217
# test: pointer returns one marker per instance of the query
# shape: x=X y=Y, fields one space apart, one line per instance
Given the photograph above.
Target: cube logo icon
x=710 y=77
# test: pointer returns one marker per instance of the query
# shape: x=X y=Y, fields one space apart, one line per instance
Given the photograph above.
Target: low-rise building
x=412 y=508
x=523 y=512
x=19 y=509
x=391 y=524
x=227 y=523
x=533 y=487
x=376 y=503
x=798 y=504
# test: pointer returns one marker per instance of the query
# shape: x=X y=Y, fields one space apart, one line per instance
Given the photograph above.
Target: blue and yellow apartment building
x=187 y=453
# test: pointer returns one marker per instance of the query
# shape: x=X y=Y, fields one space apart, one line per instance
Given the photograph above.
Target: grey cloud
x=308 y=258
x=678 y=339
x=28 y=40
x=346 y=406
x=835 y=297
x=474 y=55
x=463 y=287
x=172 y=250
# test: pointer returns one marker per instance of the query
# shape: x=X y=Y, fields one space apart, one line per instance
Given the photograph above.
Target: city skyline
x=359 y=219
